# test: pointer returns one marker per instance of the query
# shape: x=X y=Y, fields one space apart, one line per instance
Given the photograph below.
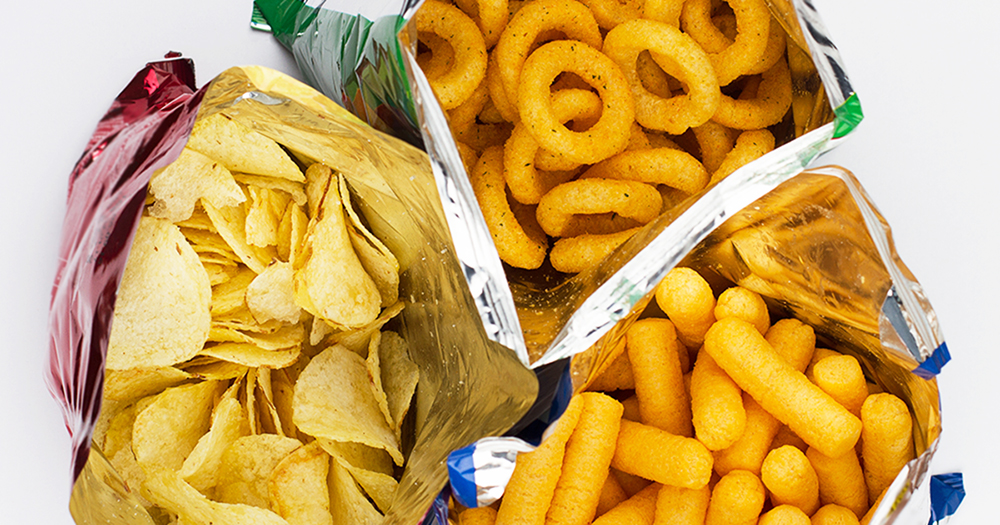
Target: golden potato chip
x=297 y=233
x=219 y=273
x=242 y=149
x=166 y=489
x=298 y=489
x=271 y=295
x=265 y=210
x=319 y=330
x=266 y=387
x=252 y=355
x=162 y=312
x=282 y=390
x=333 y=399
x=229 y=423
x=318 y=179
x=229 y=297
x=356 y=340
x=286 y=337
x=168 y=428
x=352 y=507
x=212 y=369
x=209 y=245
x=330 y=281
x=179 y=185
x=129 y=385
x=251 y=401
x=399 y=375
x=241 y=319
x=377 y=260
x=247 y=465
x=295 y=190
x=375 y=373
x=199 y=220
x=370 y=467
x=231 y=224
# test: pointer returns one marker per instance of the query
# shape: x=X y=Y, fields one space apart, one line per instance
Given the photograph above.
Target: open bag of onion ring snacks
x=640 y=126
x=258 y=315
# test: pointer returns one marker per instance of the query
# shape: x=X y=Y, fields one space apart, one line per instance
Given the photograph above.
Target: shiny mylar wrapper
x=394 y=187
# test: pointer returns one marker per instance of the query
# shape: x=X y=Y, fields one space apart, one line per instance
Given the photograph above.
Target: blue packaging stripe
x=462 y=476
x=438 y=513
x=932 y=365
x=947 y=493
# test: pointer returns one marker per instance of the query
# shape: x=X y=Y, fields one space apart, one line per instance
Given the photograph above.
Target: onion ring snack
x=674 y=168
x=634 y=200
x=674 y=115
x=611 y=132
x=610 y=13
x=774 y=97
x=753 y=22
x=469 y=69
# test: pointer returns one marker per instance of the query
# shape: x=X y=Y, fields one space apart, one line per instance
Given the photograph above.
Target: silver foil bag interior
x=470 y=386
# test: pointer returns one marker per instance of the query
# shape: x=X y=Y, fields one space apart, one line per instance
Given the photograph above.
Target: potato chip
x=266 y=387
x=294 y=189
x=370 y=467
x=241 y=319
x=271 y=295
x=330 y=281
x=229 y=423
x=298 y=489
x=350 y=504
x=399 y=375
x=199 y=220
x=286 y=337
x=263 y=215
x=377 y=260
x=168 y=428
x=209 y=244
x=231 y=223
x=229 y=297
x=129 y=385
x=219 y=273
x=333 y=399
x=162 y=312
x=179 y=185
x=318 y=179
x=282 y=390
x=375 y=373
x=242 y=149
x=319 y=330
x=166 y=489
x=356 y=340
x=297 y=240
x=252 y=355
x=247 y=465
x=213 y=369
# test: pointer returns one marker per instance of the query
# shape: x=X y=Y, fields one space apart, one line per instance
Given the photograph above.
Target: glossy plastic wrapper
x=145 y=129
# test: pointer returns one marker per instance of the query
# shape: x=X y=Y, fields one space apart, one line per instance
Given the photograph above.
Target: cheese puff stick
x=637 y=510
x=751 y=448
x=742 y=303
x=841 y=480
x=662 y=457
x=790 y=478
x=784 y=515
x=612 y=494
x=785 y=436
x=716 y=404
x=886 y=440
x=794 y=341
x=630 y=483
x=737 y=499
x=680 y=506
x=688 y=301
x=842 y=378
x=529 y=492
x=478 y=516
x=631 y=406
x=616 y=376
x=586 y=462
x=785 y=393
x=834 y=515
x=819 y=355
x=659 y=382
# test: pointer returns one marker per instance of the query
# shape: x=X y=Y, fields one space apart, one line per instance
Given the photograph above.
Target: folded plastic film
x=394 y=189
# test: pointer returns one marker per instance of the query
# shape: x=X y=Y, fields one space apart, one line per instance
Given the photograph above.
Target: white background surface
x=925 y=73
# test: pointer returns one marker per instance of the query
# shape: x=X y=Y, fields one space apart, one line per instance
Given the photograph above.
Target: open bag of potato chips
x=259 y=316
x=391 y=62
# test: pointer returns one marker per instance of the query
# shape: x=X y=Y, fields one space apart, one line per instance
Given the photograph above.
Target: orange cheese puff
x=478 y=516
x=785 y=393
x=819 y=355
x=841 y=480
x=886 y=440
x=790 y=478
x=615 y=376
x=842 y=378
x=784 y=515
x=794 y=341
x=688 y=301
x=871 y=511
x=659 y=382
x=680 y=506
x=637 y=510
x=785 y=436
x=612 y=494
x=586 y=462
x=631 y=406
x=661 y=456
x=630 y=483
x=737 y=499
x=529 y=492
x=751 y=448
x=834 y=515
x=743 y=304
x=716 y=404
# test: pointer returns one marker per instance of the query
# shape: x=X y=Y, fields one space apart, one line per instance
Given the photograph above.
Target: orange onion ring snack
x=469 y=68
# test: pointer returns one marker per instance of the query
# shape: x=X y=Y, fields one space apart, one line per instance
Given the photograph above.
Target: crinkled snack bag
x=259 y=316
